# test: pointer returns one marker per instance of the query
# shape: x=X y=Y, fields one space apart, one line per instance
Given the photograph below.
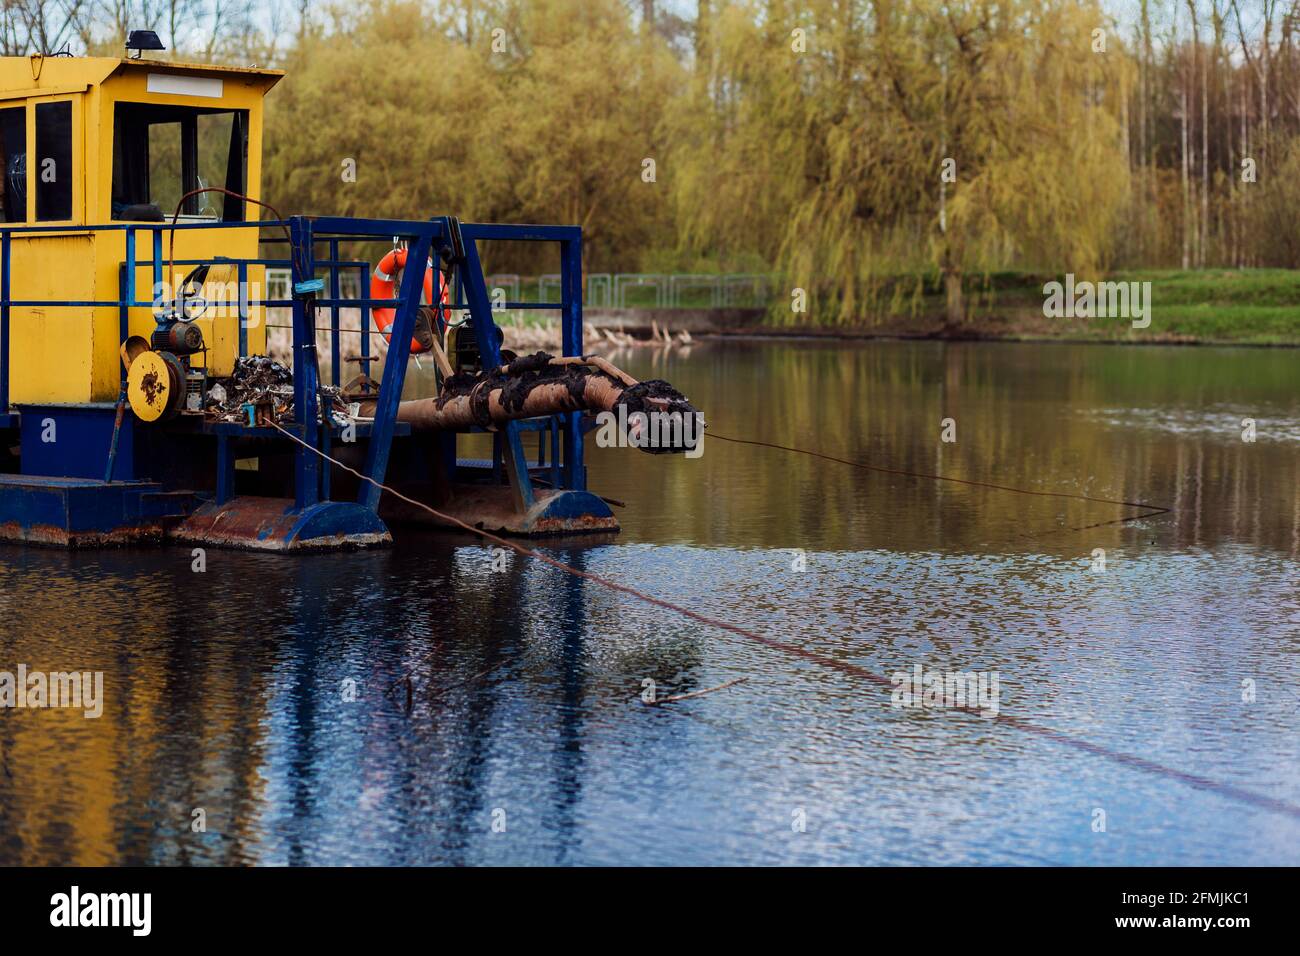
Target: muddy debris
x=266 y=386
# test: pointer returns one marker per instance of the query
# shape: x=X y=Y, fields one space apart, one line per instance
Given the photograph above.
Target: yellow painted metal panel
x=72 y=354
x=51 y=73
x=41 y=91
x=51 y=350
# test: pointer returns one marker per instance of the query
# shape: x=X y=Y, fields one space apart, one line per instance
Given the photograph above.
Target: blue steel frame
x=444 y=236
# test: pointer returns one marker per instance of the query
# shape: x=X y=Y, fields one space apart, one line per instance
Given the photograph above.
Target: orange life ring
x=382 y=286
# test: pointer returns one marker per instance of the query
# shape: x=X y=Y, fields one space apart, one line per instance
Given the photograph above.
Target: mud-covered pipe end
x=656 y=418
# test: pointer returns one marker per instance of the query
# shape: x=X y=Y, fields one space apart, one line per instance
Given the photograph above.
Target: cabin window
x=161 y=153
x=53 y=179
x=13 y=151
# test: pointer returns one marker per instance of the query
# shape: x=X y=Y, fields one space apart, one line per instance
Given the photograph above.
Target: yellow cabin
x=105 y=160
x=100 y=140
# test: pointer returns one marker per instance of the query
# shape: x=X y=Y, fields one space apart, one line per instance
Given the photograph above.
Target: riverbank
x=1210 y=307
x=1257 y=307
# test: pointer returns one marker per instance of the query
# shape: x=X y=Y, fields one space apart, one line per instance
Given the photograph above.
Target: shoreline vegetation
x=1258 y=307
x=1244 y=307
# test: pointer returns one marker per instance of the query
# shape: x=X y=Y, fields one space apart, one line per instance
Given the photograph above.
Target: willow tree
x=578 y=125
x=1032 y=115
x=369 y=121
x=521 y=112
x=854 y=142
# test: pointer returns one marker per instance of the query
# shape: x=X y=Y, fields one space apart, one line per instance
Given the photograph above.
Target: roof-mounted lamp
x=141 y=40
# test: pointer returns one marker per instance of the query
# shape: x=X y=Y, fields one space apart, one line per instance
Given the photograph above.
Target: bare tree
x=41 y=26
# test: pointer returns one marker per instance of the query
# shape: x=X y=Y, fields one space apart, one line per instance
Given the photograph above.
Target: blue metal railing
x=447 y=237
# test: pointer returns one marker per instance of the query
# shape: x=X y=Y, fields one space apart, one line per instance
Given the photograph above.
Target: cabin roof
x=35 y=73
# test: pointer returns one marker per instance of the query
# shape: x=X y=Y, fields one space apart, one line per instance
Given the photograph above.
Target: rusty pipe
x=545 y=398
x=496 y=399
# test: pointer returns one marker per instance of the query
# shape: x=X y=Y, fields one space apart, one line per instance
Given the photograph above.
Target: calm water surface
x=224 y=688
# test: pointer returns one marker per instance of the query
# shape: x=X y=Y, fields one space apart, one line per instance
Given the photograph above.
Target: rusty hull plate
x=271 y=524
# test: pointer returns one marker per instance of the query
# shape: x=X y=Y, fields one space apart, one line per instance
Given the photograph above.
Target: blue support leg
x=335 y=352
x=485 y=334
x=516 y=462
x=575 y=468
x=399 y=350
x=306 y=462
x=480 y=306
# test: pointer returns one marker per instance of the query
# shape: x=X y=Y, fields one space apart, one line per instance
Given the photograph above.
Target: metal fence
x=604 y=290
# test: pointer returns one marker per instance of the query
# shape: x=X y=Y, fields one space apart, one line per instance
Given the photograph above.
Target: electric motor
x=179 y=338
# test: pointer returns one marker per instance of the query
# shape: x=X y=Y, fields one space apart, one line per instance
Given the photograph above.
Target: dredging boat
x=129 y=417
